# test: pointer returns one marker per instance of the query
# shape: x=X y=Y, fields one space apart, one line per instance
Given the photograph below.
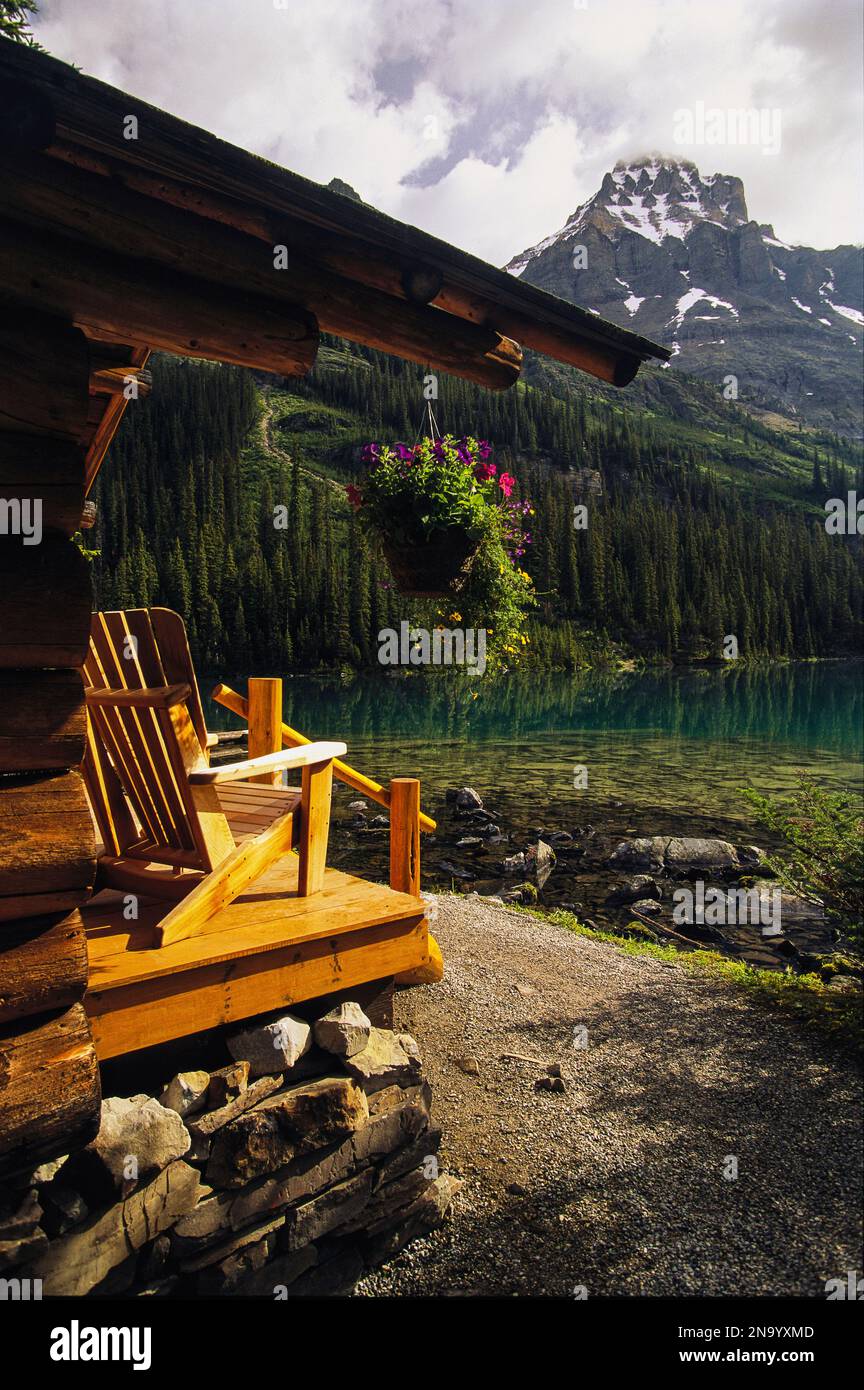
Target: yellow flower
x=455 y=618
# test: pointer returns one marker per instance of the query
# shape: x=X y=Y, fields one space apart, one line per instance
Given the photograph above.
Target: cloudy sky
x=488 y=121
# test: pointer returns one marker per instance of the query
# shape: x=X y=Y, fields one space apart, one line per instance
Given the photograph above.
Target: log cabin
x=111 y=247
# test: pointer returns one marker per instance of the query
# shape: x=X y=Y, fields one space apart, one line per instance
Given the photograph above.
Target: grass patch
x=806 y=997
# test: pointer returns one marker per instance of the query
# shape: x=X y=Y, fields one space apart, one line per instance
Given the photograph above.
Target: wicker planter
x=437 y=568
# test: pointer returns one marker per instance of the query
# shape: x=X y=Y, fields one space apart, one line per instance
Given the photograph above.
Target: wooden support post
x=314 y=826
x=265 y=723
x=405 y=835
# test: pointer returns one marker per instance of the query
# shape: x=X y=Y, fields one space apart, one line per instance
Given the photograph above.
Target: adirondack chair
x=172 y=826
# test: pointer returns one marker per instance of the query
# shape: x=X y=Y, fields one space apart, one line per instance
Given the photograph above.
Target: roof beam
x=58 y=109
x=114 y=296
x=101 y=214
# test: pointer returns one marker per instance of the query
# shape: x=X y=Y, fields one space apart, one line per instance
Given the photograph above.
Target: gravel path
x=623 y=1174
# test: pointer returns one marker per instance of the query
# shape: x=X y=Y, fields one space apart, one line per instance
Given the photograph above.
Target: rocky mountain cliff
x=676 y=257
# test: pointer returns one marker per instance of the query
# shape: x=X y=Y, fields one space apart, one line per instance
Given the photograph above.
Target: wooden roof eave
x=61 y=111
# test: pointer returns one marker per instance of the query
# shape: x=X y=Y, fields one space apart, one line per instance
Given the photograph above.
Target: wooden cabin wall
x=49 y=1079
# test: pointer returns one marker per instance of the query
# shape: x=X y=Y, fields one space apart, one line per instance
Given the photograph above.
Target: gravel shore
x=620 y=1184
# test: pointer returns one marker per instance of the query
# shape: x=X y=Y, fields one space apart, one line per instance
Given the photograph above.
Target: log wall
x=49 y=1082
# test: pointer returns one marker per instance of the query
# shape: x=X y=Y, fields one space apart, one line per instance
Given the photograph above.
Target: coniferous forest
x=701 y=522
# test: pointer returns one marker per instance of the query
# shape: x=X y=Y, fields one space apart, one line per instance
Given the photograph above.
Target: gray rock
x=334 y=1208
x=540 y=861
x=467 y=799
x=514 y=864
x=751 y=856
x=684 y=854
x=273 y=1046
x=137 y=1138
x=397 y=1117
x=20 y=1214
x=344 y=1030
x=203 y=1127
x=427 y=1212
x=63 y=1208
x=83 y=1259
x=644 y=853
x=386 y=1058
x=388 y=1203
x=293 y=1122
x=227 y=1084
x=205 y=1223
x=647 y=905
x=235 y=1240
x=357 y=806
x=379 y=822
x=303 y=1178
x=186 y=1093
x=642 y=886
x=46 y=1171
x=469 y=1065
x=276 y=1277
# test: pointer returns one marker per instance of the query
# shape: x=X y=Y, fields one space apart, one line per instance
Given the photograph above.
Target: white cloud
x=533 y=99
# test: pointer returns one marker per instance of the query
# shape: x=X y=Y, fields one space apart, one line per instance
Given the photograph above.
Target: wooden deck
x=268 y=948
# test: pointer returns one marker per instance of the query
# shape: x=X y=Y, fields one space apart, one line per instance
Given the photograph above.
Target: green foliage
x=78 y=539
x=825 y=859
x=410 y=495
x=675 y=555
x=498 y=597
x=15 y=19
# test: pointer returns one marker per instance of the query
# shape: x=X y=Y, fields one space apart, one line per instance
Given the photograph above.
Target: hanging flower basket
x=435 y=568
x=430 y=507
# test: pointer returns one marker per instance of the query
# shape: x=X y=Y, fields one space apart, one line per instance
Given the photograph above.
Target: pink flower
x=507 y=483
x=484 y=471
x=355 y=496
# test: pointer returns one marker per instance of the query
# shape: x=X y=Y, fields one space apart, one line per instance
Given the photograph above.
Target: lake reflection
x=679 y=741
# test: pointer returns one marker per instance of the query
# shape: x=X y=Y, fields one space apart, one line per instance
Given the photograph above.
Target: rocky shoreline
x=606 y=870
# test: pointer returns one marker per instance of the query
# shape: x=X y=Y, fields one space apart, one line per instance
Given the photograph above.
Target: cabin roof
x=424 y=299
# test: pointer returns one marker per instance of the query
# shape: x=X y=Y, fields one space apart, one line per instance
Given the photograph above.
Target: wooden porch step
x=266 y=949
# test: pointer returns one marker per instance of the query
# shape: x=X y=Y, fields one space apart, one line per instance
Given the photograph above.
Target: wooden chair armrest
x=212 y=740
x=307 y=756
x=150 y=697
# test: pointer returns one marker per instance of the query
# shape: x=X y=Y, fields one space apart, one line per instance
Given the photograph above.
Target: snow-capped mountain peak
x=673 y=254
x=654 y=196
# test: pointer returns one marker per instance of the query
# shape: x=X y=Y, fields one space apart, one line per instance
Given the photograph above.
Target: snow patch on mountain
x=694 y=296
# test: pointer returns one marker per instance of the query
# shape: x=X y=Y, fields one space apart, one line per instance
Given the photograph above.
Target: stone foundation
x=308 y=1159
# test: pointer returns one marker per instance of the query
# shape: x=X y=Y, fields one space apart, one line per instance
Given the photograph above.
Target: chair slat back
x=141 y=744
x=169 y=630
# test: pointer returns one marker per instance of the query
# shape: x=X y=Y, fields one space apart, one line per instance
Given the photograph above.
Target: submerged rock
x=646 y=853
x=465 y=798
x=540 y=861
x=684 y=854
x=641 y=886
